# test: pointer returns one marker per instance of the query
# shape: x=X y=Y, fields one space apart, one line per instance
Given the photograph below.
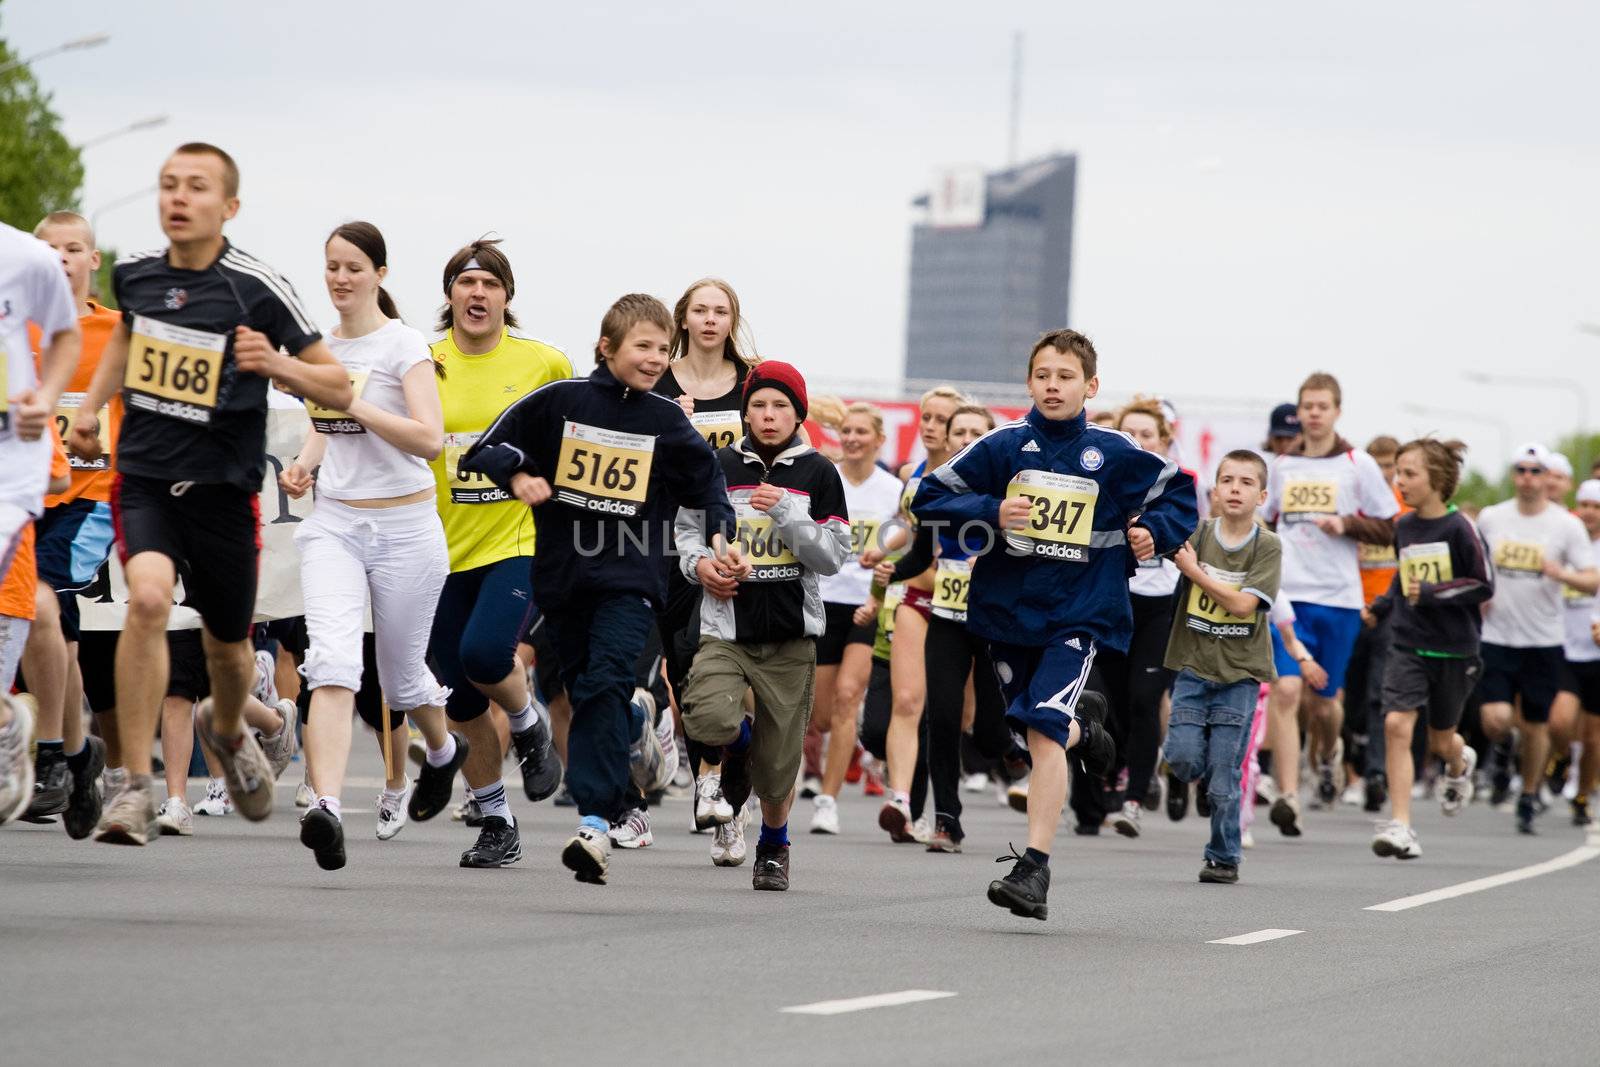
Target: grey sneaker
x=244 y=766
x=111 y=783
x=280 y=747
x=130 y=819
x=647 y=763
x=16 y=765
x=175 y=818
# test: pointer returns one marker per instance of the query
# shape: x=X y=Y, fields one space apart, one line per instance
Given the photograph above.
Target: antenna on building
x=1016 y=97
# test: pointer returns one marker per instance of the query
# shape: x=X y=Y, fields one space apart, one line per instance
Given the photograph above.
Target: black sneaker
x=541 y=767
x=1024 y=889
x=1202 y=798
x=1177 y=797
x=1219 y=873
x=1377 y=787
x=1556 y=772
x=435 y=785
x=323 y=834
x=1095 y=749
x=1152 y=794
x=1500 y=792
x=52 y=786
x=772 y=866
x=736 y=778
x=1285 y=815
x=85 y=802
x=1086 y=829
x=1527 y=811
x=498 y=845
x=1580 y=812
x=1327 y=788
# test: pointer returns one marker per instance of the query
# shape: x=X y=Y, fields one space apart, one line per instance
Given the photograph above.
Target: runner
x=844 y=652
x=1221 y=652
x=604 y=464
x=1538 y=549
x=1363 y=698
x=1433 y=613
x=74 y=538
x=1283 y=430
x=1059 y=587
x=202 y=325
x=1558 y=480
x=486 y=602
x=1582 y=648
x=373 y=539
x=762 y=634
x=1324 y=497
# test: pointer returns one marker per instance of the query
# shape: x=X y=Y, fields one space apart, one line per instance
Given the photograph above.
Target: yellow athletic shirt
x=483 y=524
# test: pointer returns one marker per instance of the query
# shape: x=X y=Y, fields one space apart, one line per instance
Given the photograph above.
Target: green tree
x=40 y=170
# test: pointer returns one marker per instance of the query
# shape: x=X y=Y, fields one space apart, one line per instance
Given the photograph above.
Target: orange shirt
x=1378 y=562
x=22 y=580
x=89 y=482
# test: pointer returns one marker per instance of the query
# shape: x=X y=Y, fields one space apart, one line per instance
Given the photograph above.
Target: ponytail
x=386 y=304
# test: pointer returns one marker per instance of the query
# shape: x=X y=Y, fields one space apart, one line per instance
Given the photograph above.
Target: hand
x=252 y=352
x=1313 y=673
x=765 y=496
x=686 y=402
x=1368 y=619
x=1142 y=542
x=1551 y=568
x=295 y=480
x=871 y=557
x=883 y=573
x=530 y=490
x=32 y=414
x=730 y=558
x=83 y=440
x=1187 y=562
x=1014 y=512
x=715 y=579
x=869 y=611
x=1332 y=525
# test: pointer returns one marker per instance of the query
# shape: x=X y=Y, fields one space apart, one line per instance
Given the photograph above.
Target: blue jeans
x=1206 y=739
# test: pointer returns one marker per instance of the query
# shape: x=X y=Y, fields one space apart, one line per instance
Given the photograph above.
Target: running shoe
x=52 y=785
x=1127 y=821
x=1396 y=839
x=1556 y=770
x=1024 y=889
x=264 y=687
x=1202 y=798
x=280 y=747
x=895 y=818
x=632 y=831
x=1286 y=816
x=244 y=765
x=588 y=855
x=671 y=758
x=682 y=778
x=1355 y=794
x=975 y=783
x=541 y=767
x=1219 y=873
x=563 y=797
x=922 y=830
x=111 y=783
x=736 y=777
x=216 y=800
x=323 y=833
x=498 y=844
x=647 y=763
x=1376 y=790
x=1580 y=812
x=727 y=843
x=431 y=794
x=871 y=778
x=771 y=872
x=1096 y=750
x=1177 y=797
x=825 y=815
x=1017 y=795
x=947 y=835
x=711 y=808
x=1266 y=789
x=1457 y=791
x=1500 y=791
x=1527 y=811
x=1152 y=794
x=1247 y=839
x=174 y=819
x=84 y=805
x=131 y=818
x=810 y=786
x=469 y=811
x=852 y=773
x=392 y=812
x=304 y=795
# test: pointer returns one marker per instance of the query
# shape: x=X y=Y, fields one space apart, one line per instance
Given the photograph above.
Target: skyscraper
x=991 y=263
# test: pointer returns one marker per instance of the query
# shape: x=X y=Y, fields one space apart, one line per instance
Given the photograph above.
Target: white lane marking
x=877 y=1000
x=1582 y=854
x=1255 y=938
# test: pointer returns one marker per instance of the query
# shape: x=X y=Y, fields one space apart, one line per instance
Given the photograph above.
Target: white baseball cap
x=1560 y=464
x=1532 y=452
x=1589 y=491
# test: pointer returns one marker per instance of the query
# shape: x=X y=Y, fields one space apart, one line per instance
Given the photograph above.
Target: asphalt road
x=232 y=947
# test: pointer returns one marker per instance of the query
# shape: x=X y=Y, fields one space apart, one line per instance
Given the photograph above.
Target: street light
x=121 y=201
x=1470 y=416
x=133 y=127
x=94 y=40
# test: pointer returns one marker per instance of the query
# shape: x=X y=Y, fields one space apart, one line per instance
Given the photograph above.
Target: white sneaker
x=975 y=783
x=825 y=815
x=922 y=830
x=280 y=747
x=1126 y=822
x=727 y=843
x=265 y=685
x=667 y=734
x=304 y=795
x=1396 y=839
x=217 y=801
x=175 y=819
x=710 y=807
x=1266 y=789
x=112 y=779
x=392 y=812
x=16 y=764
x=1247 y=840
x=1355 y=794
x=633 y=831
x=810 y=786
x=588 y=855
x=647 y=762
x=1457 y=791
x=1017 y=795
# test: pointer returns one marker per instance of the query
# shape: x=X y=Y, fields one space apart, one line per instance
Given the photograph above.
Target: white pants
x=13 y=636
x=397 y=557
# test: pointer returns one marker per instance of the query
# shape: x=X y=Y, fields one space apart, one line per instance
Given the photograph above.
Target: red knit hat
x=770 y=374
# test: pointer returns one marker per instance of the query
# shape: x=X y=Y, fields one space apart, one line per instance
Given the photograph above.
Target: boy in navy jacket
x=1060 y=511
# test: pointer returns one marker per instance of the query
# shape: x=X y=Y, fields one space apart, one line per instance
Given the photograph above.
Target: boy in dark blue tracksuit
x=1065 y=509
x=606 y=464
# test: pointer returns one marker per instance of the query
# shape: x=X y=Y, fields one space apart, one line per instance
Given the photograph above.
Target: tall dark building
x=990 y=270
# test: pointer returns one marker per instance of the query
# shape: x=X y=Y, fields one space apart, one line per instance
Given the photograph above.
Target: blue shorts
x=1329 y=634
x=1042 y=684
x=74 y=540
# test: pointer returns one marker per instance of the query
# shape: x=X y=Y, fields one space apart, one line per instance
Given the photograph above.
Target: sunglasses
x=1527 y=470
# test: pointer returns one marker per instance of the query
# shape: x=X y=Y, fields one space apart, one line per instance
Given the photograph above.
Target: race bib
x=1305 y=500
x=908 y=494
x=1205 y=614
x=770 y=557
x=863 y=535
x=951 y=583
x=1522 y=557
x=66 y=412
x=330 y=420
x=719 y=428
x=468 y=487
x=604 y=470
x=1424 y=564
x=1062 y=515
x=173 y=371
x=1376 y=557
x=1574 y=598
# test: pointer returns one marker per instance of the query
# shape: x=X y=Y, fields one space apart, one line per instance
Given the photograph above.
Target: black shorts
x=841 y=632
x=1534 y=674
x=212 y=535
x=1583 y=679
x=188 y=677
x=97 y=659
x=1437 y=685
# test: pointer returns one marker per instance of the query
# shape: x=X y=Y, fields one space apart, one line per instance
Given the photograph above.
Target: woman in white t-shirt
x=375 y=536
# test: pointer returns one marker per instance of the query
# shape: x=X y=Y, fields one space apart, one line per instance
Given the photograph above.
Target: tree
x=40 y=170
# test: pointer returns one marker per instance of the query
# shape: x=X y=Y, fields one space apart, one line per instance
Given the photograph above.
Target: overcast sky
x=1399 y=193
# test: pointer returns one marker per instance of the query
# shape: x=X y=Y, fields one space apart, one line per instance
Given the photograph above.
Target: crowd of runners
x=674 y=572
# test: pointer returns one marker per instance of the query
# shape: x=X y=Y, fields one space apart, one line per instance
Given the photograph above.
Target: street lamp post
x=93 y=40
x=133 y=127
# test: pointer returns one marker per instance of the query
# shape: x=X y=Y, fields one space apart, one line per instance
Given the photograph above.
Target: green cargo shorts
x=780 y=674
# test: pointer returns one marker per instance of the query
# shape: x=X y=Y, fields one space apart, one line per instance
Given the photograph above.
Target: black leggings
x=951 y=654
